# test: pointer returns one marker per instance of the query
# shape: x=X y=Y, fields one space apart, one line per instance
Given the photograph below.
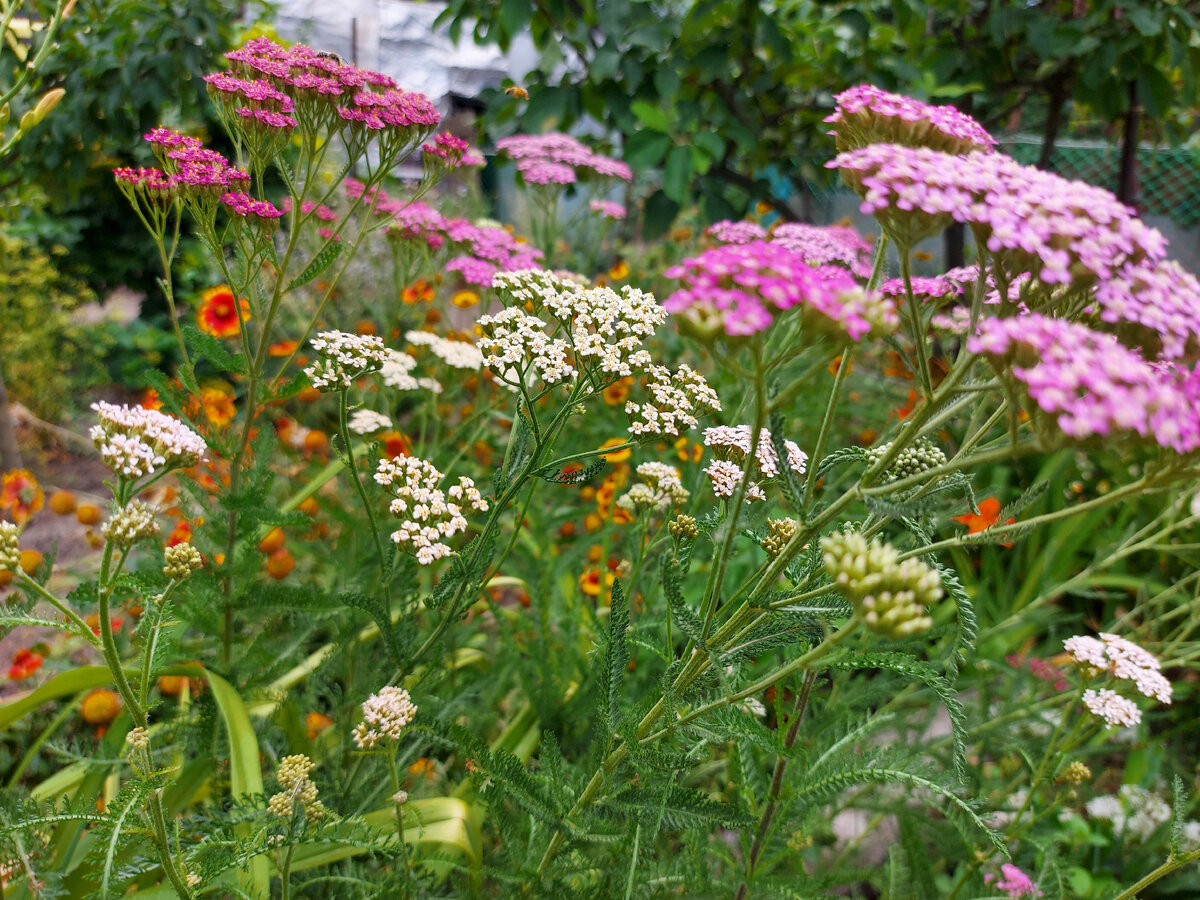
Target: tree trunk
x=10 y=455
x=1057 y=100
x=1127 y=184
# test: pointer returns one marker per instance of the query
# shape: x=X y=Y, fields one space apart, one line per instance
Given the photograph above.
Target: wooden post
x=10 y=455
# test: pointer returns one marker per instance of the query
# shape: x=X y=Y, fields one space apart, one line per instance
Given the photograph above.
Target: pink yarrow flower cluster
x=608 y=208
x=242 y=204
x=747 y=285
x=559 y=159
x=448 y=151
x=1122 y=659
x=822 y=245
x=1013 y=882
x=729 y=232
x=1159 y=299
x=1091 y=384
x=1063 y=232
x=867 y=115
x=923 y=288
x=488 y=250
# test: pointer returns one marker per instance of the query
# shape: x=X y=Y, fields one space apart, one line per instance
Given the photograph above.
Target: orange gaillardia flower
x=417 y=292
x=618 y=392
x=395 y=444
x=619 y=455
x=619 y=271
x=20 y=495
x=218 y=313
x=24 y=663
x=988 y=516
x=464 y=299
x=216 y=400
x=100 y=707
x=315 y=723
x=283 y=348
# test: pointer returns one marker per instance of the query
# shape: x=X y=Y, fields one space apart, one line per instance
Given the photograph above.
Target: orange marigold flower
x=24 y=663
x=423 y=766
x=395 y=444
x=20 y=495
x=417 y=292
x=618 y=392
x=283 y=348
x=987 y=517
x=464 y=299
x=619 y=271
x=150 y=399
x=216 y=400
x=88 y=514
x=592 y=522
x=180 y=534
x=31 y=561
x=100 y=707
x=619 y=455
x=218 y=314
x=315 y=723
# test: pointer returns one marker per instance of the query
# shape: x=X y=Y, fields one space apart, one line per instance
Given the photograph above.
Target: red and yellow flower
x=24 y=663
x=20 y=495
x=420 y=291
x=464 y=299
x=218 y=313
x=216 y=402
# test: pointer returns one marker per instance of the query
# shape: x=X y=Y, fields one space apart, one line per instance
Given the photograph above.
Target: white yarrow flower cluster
x=610 y=327
x=725 y=476
x=1122 y=659
x=675 y=400
x=135 y=442
x=130 y=524
x=1112 y=707
x=456 y=354
x=344 y=357
x=515 y=340
x=427 y=514
x=384 y=717
x=396 y=373
x=1135 y=811
x=732 y=442
x=367 y=421
x=661 y=488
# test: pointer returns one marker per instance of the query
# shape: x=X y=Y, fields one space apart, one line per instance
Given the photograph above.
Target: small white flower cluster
x=610 y=327
x=427 y=514
x=1112 y=707
x=455 y=354
x=539 y=287
x=1149 y=812
x=661 y=488
x=367 y=421
x=135 y=442
x=384 y=717
x=725 y=476
x=396 y=374
x=344 y=357
x=130 y=524
x=515 y=340
x=1122 y=659
x=298 y=790
x=732 y=442
x=675 y=399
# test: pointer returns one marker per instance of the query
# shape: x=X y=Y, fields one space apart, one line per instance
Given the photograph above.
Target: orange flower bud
x=100 y=707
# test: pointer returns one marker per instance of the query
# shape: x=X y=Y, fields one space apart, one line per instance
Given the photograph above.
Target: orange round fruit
x=62 y=503
x=88 y=514
x=31 y=561
x=310 y=506
x=100 y=707
x=280 y=564
x=272 y=541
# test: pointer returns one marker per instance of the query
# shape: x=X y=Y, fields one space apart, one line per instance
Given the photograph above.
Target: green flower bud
x=683 y=528
x=921 y=457
x=891 y=595
x=10 y=547
x=181 y=560
x=779 y=532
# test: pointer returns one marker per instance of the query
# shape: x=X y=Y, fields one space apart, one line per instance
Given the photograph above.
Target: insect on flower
x=517 y=91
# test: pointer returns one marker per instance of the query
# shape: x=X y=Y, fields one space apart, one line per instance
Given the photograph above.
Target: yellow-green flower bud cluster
x=181 y=560
x=298 y=790
x=130 y=524
x=1075 y=773
x=921 y=457
x=683 y=528
x=779 y=532
x=10 y=547
x=891 y=595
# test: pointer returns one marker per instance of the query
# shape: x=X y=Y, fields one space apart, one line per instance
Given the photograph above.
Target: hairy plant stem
x=1172 y=863
x=344 y=431
x=917 y=319
x=394 y=772
x=814 y=461
x=772 y=801
x=285 y=874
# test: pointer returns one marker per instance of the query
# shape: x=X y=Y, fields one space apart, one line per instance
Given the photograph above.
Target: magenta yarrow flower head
x=923 y=288
x=821 y=245
x=417 y=221
x=1062 y=232
x=149 y=189
x=547 y=158
x=741 y=288
x=730 y=232
x=1013 y=882
x=164 y=139
x=244 y=206
x=487 y=250
x=1090 y=385
x=1153 y=305
x=609 y=209
x=867 y=115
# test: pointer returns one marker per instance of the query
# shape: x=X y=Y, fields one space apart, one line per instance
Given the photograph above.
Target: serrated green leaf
x=319 y=264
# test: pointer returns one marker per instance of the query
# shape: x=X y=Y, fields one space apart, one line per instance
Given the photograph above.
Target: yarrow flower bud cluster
x=560 y=159
x=867 y=115
x=661 y=488
x=921 y=457
x=385 y=716
x=427 y=514
x=740 y=289
x=891 y=595
x=138 y=738
x=1121 y=659
x=683 y=528
x=135 y=442
x=779 y=532
x=344 y=357
x=181 y=560
x=10 y=547
x=130 y=524
x=299 y=792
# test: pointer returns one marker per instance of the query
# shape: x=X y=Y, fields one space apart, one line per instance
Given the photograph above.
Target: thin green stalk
x=917 y=319
x=352 y=466
x=814 y=461
x=1172 y=864
x=399 y=807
